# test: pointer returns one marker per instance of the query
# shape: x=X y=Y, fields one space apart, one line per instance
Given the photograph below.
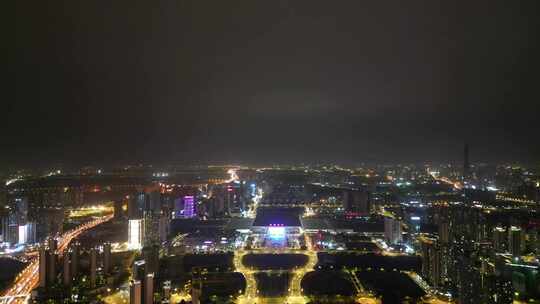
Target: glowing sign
x=276 y=232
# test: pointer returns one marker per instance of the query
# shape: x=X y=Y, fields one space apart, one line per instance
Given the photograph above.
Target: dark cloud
x=101 y=81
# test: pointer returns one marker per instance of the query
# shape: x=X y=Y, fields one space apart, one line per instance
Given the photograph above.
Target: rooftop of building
x=286 y=217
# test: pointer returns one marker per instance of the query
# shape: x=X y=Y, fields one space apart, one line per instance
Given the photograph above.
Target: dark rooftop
x=287 y=217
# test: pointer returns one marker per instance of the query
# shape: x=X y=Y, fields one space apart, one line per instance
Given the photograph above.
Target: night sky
x=261 y=81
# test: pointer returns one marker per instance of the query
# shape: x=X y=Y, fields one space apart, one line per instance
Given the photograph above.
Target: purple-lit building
x=189 y=206
x=277 y=227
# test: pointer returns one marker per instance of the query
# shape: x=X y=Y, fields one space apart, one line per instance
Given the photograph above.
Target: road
x=28 y=279
x=295 y=290
x=250 y=294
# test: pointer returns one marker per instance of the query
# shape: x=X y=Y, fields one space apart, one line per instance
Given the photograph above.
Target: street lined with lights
x=28 y=279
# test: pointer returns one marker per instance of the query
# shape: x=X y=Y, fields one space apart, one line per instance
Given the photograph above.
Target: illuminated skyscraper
x=189 y=206
x=135 y=233
x=22 y=234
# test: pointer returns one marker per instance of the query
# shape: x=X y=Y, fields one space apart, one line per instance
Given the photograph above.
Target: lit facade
x=135 y=234
x=392 y=230
x=189 y=206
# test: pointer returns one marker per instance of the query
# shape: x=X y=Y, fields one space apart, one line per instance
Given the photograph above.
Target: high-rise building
x=51 y=267
x=66 y=271
x=93 y=267
x=53 y=244
x=135 y=292
x=27 y=233
x=25 y=230
x=106 y=258
x=444 y=232
x=22 y=234
x=154 y=202
x=499 y=239
x=151 y=258
x=10 y=228
x=425 y=258
x=164 y=226
x=189 y=206
x=516 y=243
x=149 y=289
x=21 y=209
x=118 y=209
x=166 y=295
x=138 y=270
x=135 y=233
x=431 y=262
x=4 y=226
x=435 y=259
x=535 y=239
x=178 y=207
x=356 y=201
x=136 y=206
x=151 y=229
x=74 y=252
x=141 y=272
x=392 y=230
x=43 y=257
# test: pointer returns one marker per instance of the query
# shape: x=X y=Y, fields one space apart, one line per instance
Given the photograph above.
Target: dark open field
x=327 y=283
x=274 y=261
x=393 y=286
x=364 y=261
x=272 y=285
